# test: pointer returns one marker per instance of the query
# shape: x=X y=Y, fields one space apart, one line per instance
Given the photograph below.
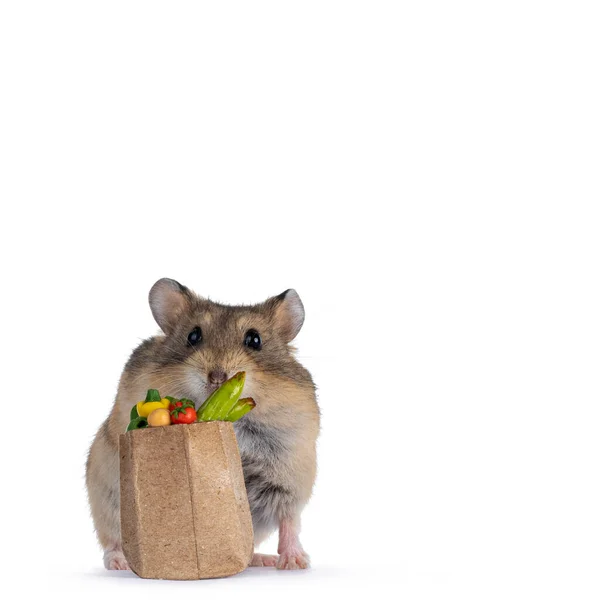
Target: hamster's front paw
x=114 y=560
x=293 y=559
x=263 y=560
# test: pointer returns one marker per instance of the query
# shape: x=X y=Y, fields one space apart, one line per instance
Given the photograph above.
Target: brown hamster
x=202 y=344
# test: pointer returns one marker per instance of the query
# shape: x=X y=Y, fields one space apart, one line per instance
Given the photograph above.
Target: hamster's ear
x=168 y=299
x=288 y=313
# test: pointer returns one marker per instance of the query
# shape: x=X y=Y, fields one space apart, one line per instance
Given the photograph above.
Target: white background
x=425 y=174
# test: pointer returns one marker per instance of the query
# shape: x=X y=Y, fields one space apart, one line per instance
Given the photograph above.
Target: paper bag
x=184 y=508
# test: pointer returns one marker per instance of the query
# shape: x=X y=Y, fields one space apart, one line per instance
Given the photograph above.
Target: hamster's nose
x=217 y=376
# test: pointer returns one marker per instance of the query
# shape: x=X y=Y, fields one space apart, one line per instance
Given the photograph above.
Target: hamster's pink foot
x=263 y=560
x=114 y=560
x=293 y=559
x=291 y=553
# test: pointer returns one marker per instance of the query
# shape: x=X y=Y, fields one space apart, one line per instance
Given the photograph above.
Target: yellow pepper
x=145 y=408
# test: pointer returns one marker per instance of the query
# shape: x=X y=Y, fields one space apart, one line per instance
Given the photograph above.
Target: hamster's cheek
x=193 y=384
x=259 y=382
x=251 y=390
x=181 y=381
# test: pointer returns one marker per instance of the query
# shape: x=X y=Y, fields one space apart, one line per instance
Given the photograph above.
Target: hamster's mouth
x=206 y=388
x=211 y=387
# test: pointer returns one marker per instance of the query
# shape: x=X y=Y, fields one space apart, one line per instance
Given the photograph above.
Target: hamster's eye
x=195 y=336
x=252 y=339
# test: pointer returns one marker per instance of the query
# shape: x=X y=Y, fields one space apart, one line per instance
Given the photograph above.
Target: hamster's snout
x=217 y=376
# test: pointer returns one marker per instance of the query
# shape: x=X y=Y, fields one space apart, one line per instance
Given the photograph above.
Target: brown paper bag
x=184 y=508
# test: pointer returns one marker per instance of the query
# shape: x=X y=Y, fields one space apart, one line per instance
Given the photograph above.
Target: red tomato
x=182 y=414
x=183 y=402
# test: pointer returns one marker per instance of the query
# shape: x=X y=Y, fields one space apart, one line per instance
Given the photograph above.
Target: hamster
x=201 y=345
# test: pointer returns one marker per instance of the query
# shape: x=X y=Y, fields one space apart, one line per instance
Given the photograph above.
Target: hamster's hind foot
x=263 y=560
x=292 y=560
x=114 y=559
x=291 y=553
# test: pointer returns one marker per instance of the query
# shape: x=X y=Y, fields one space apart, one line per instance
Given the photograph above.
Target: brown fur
x=277 y=439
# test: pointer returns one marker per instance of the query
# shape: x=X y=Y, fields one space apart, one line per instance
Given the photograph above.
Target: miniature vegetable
x=182 y=411
x=224 y=404
x=243 y=406
x=183 y=415
x=223 y=399
x=174 y=403
x=152 y=402
x=159 y=418
x=138 y=423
